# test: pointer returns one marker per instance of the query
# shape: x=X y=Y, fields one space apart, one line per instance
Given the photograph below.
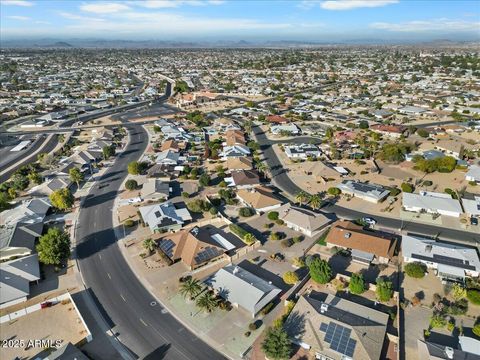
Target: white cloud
x=43 y=22
x=104 y=8
x=16 y=2
x=346 y=4
x=21 y=18
x=442 y=24
x=71 y=16
x=158 y=4
x=216 y=2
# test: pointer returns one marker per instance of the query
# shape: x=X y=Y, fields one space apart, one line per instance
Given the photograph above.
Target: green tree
x=19 y=182
x=149 y=245
x=35 y=177
x=131 y=184
x=249 y=238
x=458 y=292
x=415 y=270
x=62 y=199
x=273 y=215
x=476 y=329
x=363 y=124
x=262 y=168
x=181 y=86
x=207 y=302
x=473 y=295
x=406 y=187
x=334 y=191
x=320 y=270
x=190 y=287
x=423 y=133
x=357 y=284
x=301 y=197
x=276 y=344
x=108 y=151
x=246 y=212
x=204 y=179
x=75 y=176
x=134 y=168
x=12 y=193
x=384 y=289
x=315 y=202
x=54 y=247
x=290 y=277
x=4 y=201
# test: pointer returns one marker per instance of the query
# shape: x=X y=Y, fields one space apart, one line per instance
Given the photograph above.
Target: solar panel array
x=339 y=338
x=445 y=260
x=167 y=247
x=207 y=254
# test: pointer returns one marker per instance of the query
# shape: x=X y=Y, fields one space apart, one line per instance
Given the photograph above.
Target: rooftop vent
x=449 y=352
x=235 y=269
x=428 y=248
x=347 y=235
x=194 y=231
x=323 y=308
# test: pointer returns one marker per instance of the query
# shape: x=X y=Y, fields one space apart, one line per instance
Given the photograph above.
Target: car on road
x=369 y=221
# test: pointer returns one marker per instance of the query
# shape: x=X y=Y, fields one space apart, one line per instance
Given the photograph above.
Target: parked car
x=370 y=221
x=473 y=221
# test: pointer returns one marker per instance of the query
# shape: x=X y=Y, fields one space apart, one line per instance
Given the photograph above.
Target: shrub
x=129 y=223
x=472 y=183
x=451 y=192
x=252 y=326
x=272 y=215
x=274 y=236
x=459 y=307
x=185 y=194
x=357 y=284
x=406 y=187
x=394 y=191
x=131 y=184
x=334 y=191
x=279 y=222
x=290 y=277
x=246 y=212
x=297 y=239
x=427 y=183
x=198 y=206
x=277 y=345
x=415 y=270
x=384 y=290
x=476 y=329
x=320 y=270
x=298 y=262
x=321 y=239
x=247 y=333
x=287 y=243
x=213 y=211
x=473 y=296
x=458 y=292
x=237 y=230
x=438 y=321
x=267 y=308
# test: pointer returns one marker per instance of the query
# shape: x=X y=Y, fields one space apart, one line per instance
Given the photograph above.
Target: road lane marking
x=109 y=276
x=94 y=224
x=100 y=256
x=143 y=322
x=123 y=298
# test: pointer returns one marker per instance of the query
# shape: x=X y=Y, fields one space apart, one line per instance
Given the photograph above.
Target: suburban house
x=302 y=151
x=164 y=216
x=276 y=119
x=171 y=145
x=468 y=349
x=28 y=212
x=368 y=192
x=394 y=131
x=307 y=222
x=473 y=174
x=154 y=190
x=259 y=198
x=432 y=202
x=237 y=150
x=242 y=288
x=366 y=246
x=451 y=262
x=19 y=239
x=15 y=278
x=243 y=179
x=336 y=328
x=195 y=247
x=234 y=137
x=50 y=186
x=287 y=128
x=472 y=205
x=167 y=157
x=238 y=163
x=159 y=171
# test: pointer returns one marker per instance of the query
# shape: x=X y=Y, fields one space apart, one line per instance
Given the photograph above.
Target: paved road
x=125 y=303
x=24 y=159
x=283 y=181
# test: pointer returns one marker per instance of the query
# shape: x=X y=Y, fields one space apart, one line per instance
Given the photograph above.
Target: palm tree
x=262 y=168
x=150 y=245
x=315 y=202
x=190 y=287
x=301 y=197
x=207 y=302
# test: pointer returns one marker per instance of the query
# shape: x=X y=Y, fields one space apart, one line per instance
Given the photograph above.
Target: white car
x=369 y=221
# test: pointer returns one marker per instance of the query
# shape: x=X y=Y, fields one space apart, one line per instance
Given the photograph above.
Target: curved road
x=124 y=302
x=281 y=179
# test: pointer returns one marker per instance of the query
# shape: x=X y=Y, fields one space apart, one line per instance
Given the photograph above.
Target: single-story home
x=469 y=350
x=472 y=206
x=307 y=222
x=164 y=216
x=368 y=192
x=432 y=202
x=238 y=163
x=155 y=189
x=365 y=245
x=167 y=157
x=259 y=198
x=302 y=151
x=473 y=174
x=237 y=150
x=454 y=262
x=15 y=278
x=289 y=128
x=19 y=239
x=28 y=212
x=243 y=179
x=195 y=247
x=336 y=328
x=242 y=288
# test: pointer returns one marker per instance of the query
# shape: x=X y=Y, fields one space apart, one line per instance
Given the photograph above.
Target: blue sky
x=310 y=20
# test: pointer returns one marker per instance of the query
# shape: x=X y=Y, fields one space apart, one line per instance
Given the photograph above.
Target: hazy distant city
x=216 y=179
